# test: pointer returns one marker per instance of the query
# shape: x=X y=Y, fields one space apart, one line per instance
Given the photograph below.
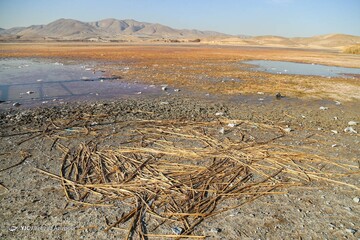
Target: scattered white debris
x=336 y=118
x=323 y=108
x=138 y=93
x=334 y=145
x=303 y=116
x=164 y=88
x=126 y=68
x=16 y=104
x=356 y=199
x=219 y=114
x=337 y=103
x=101 y=80
x=39 y=80
x=232 y=125
x=164 y=103
x=176 y=90
x=57 y=63
x=88 y=69
x=222 y=130
x=44 y=102
x=260 y=93
x=287 y=129
x=30 y=92
x=350 y=130
x=177 y=230
x=352 y=123
x=85 y=78
x=319 y=129
x=334 y=131
x=261 y=99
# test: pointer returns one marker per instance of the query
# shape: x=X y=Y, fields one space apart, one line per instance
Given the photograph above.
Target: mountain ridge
x=130 y=30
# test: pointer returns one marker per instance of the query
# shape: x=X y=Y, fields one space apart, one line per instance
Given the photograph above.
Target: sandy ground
x=34 y=205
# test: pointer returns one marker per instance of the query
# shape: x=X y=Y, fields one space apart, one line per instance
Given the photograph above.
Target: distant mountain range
x=69 y=29
x=132 y=31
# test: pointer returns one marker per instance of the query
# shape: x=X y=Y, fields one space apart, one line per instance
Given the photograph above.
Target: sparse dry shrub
x=355 y=49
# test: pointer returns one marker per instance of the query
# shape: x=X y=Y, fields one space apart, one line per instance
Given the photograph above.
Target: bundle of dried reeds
x=180 y=173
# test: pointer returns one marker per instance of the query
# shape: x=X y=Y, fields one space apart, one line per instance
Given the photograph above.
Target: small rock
x=287 y=129
x=351 y=230
x=164 y=88
x=334 y=145
x=215 y=230
x=30 y=92
x=219 y=114
x=261 y=99
x=260 y=93
x=323 y=108
x=348 y=208
x=337 y=103
x=334 y=131
x=177 y=230
x=176 y=90
x=278 y=96
x=39 y=80
x=356 y=199
x=222 y=130
x=319 y=128
x=164 y=103
x=350 y=130
x=138 y=93
x=336 y=118
x=352 y=123
x=232 y=125
x=16 y=104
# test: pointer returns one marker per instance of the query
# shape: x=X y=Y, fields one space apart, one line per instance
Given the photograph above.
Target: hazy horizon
x=288 y=18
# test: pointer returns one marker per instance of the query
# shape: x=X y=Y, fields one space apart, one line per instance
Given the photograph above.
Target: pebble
x=337 y=103
x=138 y=93
x=261 y=99
x=215 y=230
x=350 y=130
x=164 y=88
x=351 y=230
x=319 y=129
x=288 y=129
x=323 y=108
x=30 y=92
x=260 y=93
x=164 y=103
x=278 y=96
x=222 y=130
x=352 y=123
x=176 y=90
x=177 y=230
x=334 y=131
x=16 y=104
x=334 y=145
x=219 y=114
x=356 y=199
x=232 y=125
x=348 y=208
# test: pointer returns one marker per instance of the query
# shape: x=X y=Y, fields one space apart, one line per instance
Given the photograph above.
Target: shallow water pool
x=34 y=82
x=280 y=67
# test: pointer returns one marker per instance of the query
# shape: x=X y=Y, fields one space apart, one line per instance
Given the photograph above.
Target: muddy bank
x=325 y=210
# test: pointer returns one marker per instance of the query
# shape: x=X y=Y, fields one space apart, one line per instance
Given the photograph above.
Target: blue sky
x=251 y=17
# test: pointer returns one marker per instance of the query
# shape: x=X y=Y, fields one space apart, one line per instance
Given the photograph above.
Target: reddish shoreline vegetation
x=223 y=157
